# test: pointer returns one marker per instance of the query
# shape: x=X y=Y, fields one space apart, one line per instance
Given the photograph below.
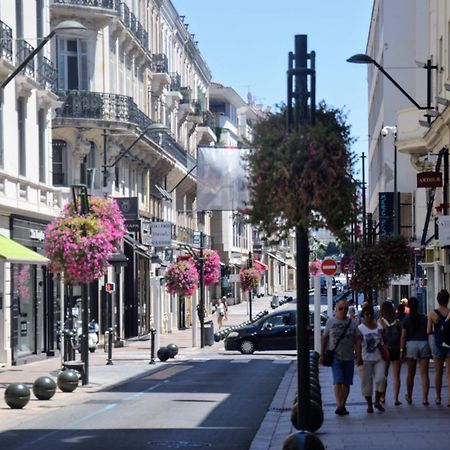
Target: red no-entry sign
x=329 y=266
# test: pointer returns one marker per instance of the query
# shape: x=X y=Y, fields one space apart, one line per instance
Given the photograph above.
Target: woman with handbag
x=342 y=338
x=371 y=371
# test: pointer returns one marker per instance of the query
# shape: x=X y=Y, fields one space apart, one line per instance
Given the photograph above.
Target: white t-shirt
x=220 y=309
x=371 y=338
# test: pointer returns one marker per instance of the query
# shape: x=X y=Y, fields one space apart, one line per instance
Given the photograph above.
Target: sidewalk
x=413 y=427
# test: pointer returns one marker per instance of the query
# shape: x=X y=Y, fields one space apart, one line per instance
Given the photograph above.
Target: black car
x=277 y=331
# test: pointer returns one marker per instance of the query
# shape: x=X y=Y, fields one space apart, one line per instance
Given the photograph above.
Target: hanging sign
x=444 y=230
x=429 y=179
x=161 y=234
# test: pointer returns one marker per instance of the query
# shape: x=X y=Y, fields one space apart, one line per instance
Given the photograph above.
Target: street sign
x=329 y=266
x=110 y=287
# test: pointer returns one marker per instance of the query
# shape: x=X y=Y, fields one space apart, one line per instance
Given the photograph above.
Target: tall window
x=59 y=162
x=42 y=125
x=21 y=126
x=72 y=64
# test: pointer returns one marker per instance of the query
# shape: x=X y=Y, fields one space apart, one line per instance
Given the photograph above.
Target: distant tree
x=332 y=249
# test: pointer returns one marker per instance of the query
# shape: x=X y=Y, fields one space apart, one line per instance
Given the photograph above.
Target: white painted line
x=240 y=361
x=282 y=361
x=201 y=360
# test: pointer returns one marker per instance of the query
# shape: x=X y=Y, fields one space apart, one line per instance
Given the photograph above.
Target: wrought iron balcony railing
x=6 y=50
x=175 y=83
x=133 y=24
x=186 y=93
x=209 y=120
x=108 y=4
x=160 y=63
x=198 y=110
x=118 y=108
x=24 y=49
x=46 y=73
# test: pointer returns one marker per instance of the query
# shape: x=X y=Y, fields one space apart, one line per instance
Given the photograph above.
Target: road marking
x=240 y=361
x=282 y=361
x=201 y=360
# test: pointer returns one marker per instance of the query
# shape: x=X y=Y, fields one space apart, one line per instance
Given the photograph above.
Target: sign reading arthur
x=429 y=179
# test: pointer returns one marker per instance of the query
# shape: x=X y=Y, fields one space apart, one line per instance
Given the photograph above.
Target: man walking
x=342 y=334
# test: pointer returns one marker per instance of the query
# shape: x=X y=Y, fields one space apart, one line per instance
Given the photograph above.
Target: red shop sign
x=429 y=179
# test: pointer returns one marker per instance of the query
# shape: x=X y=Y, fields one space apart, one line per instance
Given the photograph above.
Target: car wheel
x=246 y=347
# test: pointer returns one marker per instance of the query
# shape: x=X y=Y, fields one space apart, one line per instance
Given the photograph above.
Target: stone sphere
x=173 y=349
x=302 y=440
x=17 y=395
x=44 y=388
x=67 y=380
x=163 y=354
x=315 y=417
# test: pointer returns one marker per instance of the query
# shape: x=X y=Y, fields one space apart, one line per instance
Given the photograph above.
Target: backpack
x=391 y=335
x=442 y=330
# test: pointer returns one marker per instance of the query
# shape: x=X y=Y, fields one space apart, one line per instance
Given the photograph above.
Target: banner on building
x=221 y=179
x=386 y=211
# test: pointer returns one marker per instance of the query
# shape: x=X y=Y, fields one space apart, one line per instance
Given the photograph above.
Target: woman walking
x=414 y=342
x=220 y=311
x=441 y=353
x=372 y=368
x=392 y=332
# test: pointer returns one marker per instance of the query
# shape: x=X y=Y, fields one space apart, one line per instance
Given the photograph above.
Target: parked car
x=276 y=331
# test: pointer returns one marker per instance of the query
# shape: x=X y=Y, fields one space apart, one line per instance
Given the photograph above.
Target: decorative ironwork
x=160 y=63
x=133 y=24
x=109 y=4
x=23 y=50
x=209 y=120
x=175 y=83
x=5 y=41
x=198 y=110
x=186 y=93
x=46 y=73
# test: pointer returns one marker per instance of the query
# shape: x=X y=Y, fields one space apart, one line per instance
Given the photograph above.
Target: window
x=21 y=126
x=42 y=122
x=59 y=164
x=72 y=64
x=88 y=169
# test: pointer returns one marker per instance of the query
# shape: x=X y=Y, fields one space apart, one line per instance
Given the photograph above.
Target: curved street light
x=66 y=25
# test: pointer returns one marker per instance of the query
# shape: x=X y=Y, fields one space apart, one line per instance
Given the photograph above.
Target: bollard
x=302 y=440
x=152 y=345
x=44 y=388
x=17 y=395
x=315 y=417
x=67 y=380
x=109 y=361
x=163 y=354
x=173 y=349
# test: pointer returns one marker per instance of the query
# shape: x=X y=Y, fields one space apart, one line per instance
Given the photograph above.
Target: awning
x=260 y=265
x=282 y=261
x=12 y=251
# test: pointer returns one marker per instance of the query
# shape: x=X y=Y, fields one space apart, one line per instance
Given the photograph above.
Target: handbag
x=328 y=356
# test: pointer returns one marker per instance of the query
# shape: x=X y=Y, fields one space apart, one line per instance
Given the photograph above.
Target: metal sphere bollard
x=163 y=354
x=17 y=395
x=173 y=349
x=44 y=388
x=315 y=417
x=67 y=380
x=302 y=440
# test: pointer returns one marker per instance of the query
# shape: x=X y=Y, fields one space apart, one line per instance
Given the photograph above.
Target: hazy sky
x=246 y=44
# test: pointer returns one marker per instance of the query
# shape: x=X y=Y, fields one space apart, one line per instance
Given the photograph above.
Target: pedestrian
x=225 y=307
x=392 y=332
x=372 y=366
x=342 y=335
x=441 y=353
x=401 y=312
x=352 y=314
x=414 y=346
x=220 y=311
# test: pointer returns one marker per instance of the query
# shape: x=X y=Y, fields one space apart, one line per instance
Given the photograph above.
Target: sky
x=246 y=43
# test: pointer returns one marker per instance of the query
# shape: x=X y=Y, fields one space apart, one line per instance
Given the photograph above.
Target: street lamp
x=361 y=58
x=66 y=25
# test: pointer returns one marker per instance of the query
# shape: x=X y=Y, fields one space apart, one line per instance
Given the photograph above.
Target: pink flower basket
x=211 y=267
x=181 y=278
x=250 y=278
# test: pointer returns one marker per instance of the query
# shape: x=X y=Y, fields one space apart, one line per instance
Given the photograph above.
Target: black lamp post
x=66 y=25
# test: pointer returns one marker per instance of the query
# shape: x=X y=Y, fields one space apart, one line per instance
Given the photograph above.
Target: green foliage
x=376 y=265
x=302 y=178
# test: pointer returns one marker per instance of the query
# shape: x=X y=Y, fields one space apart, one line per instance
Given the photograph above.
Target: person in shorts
x=414 y=343
x=344 y=356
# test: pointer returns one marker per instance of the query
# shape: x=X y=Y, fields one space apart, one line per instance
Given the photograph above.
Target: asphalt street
x=216 y=402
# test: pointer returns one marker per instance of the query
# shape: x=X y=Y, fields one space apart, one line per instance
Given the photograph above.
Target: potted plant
x=249 y=277
x=181 y=278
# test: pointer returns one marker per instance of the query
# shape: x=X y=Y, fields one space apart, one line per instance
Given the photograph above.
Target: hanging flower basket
x=250 y=278
x=181 y=278
x=80 y=246
x=211 y=267
x=315 y=267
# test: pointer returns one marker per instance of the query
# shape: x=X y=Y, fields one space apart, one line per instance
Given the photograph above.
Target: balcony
x=23 y=50
x=185 y=107
x=6 y=51
x=206 y=130
x=132 y=23
x=46 y=73
x=173 y=95
x=121 y=109
x=160 y=77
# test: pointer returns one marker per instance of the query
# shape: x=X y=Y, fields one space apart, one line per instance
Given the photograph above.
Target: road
x=217 y=402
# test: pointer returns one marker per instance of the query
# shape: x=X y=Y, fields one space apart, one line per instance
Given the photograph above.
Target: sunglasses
x=342 y=309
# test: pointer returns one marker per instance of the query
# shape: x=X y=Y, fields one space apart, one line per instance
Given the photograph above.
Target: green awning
x=14 y=252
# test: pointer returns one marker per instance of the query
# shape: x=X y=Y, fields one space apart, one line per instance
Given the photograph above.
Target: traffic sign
x=329 y=266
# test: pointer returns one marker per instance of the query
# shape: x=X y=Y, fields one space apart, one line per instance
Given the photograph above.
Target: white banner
x=221 y=179
x=161 y=234
x=402 y=280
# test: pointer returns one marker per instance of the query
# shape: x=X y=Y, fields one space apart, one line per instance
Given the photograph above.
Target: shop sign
x=161 y=234
x=444 y=230
x=429 y=179
x=129 y=207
